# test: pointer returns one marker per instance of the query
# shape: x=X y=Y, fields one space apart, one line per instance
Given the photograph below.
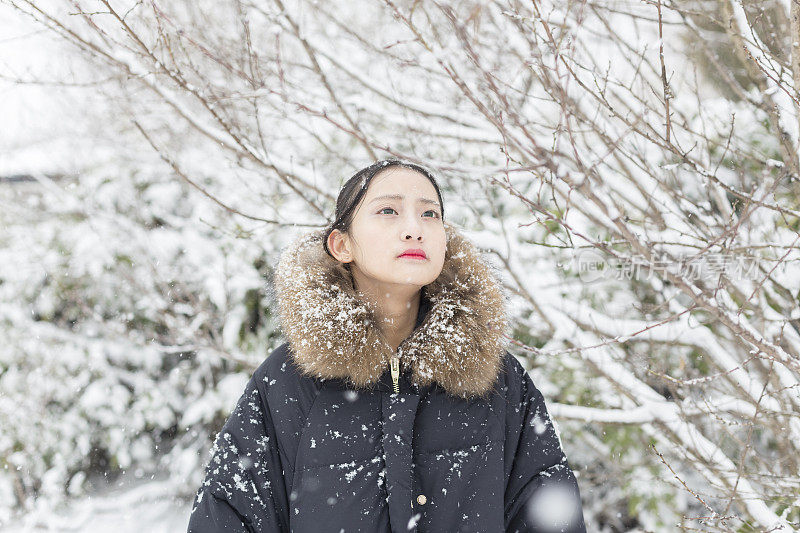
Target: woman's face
x=400 y=211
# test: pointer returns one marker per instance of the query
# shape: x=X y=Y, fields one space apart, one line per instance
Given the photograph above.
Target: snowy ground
x=126 y=507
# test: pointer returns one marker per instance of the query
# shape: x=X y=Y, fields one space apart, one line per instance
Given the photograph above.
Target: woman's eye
x=435 y=214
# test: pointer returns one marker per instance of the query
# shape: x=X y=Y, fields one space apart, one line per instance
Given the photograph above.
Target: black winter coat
x=323 y=440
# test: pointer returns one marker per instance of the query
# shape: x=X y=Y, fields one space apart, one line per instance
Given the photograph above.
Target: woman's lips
x=414 y=254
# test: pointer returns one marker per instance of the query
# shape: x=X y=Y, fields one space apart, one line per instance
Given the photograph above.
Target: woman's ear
x=340 y=246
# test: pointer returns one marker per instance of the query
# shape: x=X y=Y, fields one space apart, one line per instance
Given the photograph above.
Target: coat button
x=421 y=499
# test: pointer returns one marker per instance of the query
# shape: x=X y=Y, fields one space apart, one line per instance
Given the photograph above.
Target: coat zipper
x=395 y=363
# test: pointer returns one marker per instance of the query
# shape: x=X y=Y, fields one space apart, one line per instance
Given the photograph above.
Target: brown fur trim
x=334 y=334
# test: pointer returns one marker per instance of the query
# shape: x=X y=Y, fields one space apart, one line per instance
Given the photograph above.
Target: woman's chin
x=418 y=279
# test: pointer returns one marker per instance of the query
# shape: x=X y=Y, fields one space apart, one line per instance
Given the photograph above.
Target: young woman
x=394 y=405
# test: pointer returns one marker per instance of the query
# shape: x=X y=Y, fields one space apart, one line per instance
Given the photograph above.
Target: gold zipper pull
x=396 y=372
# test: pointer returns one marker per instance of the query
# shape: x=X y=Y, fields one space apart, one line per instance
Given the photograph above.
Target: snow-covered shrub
x=128 y=333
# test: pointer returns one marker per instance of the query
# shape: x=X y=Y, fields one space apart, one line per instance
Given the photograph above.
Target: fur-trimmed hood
x=333 y=333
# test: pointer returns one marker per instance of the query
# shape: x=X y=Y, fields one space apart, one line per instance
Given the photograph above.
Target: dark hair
x=356 y=187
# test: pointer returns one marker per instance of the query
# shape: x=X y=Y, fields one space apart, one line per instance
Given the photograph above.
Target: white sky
x=38 y=122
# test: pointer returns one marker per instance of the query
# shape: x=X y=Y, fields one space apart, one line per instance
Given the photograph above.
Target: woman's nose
x=411 y=228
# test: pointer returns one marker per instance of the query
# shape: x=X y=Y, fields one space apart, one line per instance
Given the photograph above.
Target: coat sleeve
x=541 y=492
x=244 y=488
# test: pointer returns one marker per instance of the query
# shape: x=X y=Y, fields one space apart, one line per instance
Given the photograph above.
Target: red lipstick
x=414 y=252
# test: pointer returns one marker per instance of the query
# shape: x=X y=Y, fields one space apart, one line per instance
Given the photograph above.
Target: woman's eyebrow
x=400 y=197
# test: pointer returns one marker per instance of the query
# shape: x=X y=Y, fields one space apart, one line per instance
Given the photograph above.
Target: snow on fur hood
x=334 y=333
